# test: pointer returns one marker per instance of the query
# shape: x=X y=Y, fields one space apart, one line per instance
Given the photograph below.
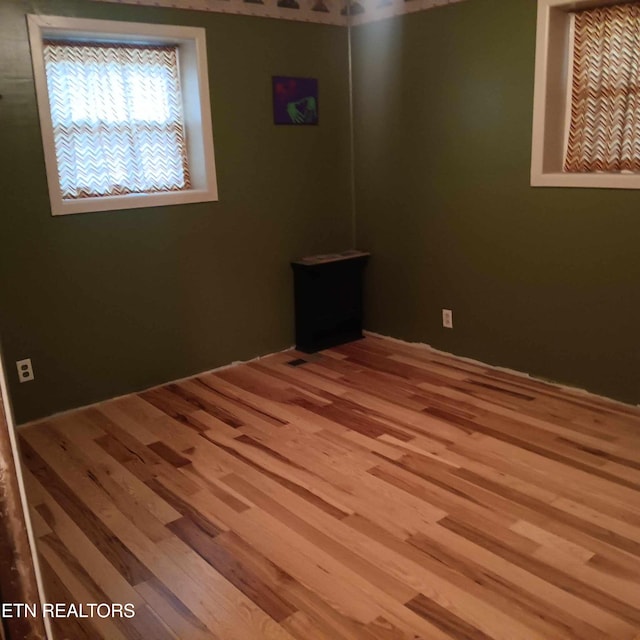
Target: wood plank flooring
x=377 y=491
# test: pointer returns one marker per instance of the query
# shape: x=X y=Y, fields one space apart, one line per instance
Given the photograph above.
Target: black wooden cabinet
x=328 y=299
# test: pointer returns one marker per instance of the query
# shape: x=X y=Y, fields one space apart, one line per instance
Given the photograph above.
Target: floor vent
x=296 y=363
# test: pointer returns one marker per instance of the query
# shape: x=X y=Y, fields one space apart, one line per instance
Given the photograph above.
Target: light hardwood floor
x=377 y=491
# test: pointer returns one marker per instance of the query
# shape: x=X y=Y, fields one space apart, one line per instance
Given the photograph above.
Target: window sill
x=134 y=201
x=587 y=180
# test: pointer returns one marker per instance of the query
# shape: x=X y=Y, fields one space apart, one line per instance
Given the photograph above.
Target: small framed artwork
x=295 y=100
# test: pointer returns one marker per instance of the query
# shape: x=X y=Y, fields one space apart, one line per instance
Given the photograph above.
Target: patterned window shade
x=604 y=134
x=117 y=118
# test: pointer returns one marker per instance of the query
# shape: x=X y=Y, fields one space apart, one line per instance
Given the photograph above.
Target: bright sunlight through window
x=125 y=113
x=117 y=119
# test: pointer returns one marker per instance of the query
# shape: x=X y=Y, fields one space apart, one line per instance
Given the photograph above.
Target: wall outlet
x=447 y=318
x=25 y=370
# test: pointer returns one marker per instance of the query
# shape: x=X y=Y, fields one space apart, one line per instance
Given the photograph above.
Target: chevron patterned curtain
x=604 y=134
x=117 y=118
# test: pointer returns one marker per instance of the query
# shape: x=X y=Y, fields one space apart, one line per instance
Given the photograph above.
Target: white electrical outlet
x=25 y=370
x=447 y=318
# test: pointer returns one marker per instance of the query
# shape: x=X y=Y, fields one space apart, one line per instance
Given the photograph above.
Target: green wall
x=108 y=303
x=542 y=280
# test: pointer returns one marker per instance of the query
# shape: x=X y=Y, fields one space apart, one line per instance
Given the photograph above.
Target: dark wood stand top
x=311 y=261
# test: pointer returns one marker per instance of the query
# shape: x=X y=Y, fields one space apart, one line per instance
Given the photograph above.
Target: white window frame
x=552 y=101
x=194 y=77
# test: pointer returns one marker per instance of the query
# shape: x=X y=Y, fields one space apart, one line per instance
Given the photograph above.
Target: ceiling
x=336 y=12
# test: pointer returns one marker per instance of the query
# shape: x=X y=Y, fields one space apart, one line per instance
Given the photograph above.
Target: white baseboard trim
x=514 y=372
x=235 y=363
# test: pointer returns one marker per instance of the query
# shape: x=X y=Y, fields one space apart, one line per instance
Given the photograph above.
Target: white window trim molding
x=552 y=98
x=194 y=78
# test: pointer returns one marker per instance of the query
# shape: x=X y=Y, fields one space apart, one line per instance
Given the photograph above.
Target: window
x=586 y=130
x=125 y=115
x=604 y=132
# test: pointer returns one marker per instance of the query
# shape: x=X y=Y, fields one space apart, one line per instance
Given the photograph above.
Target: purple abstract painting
x=295 y=100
